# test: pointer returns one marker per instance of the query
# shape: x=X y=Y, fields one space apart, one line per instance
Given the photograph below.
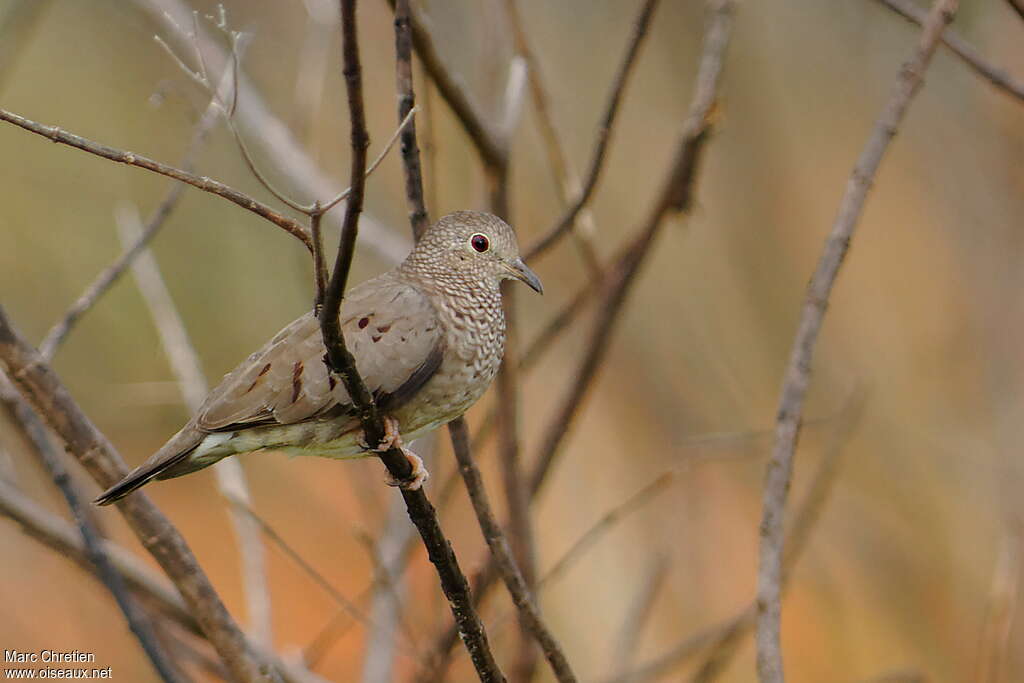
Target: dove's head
x=472 y=247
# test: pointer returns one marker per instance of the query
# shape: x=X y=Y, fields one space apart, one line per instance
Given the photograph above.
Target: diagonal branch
x=566 y=177
x=487 y=141
x=56 y=534
x=524 y=601
x=798 y=370
x=997 y=76
x=38 y=384
x=231 y=481
x=203 y=183
x=421 y=512
x=675 y=195
x=604 y=135
x=92 y=541
x=99 y=286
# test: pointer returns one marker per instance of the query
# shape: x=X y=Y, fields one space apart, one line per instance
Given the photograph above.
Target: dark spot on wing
x=363 y=322
x=384 y=328
x=265 y=370
x=375 y=338
x=296 y=380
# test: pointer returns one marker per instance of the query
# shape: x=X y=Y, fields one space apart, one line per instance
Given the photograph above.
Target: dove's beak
x=522 y=272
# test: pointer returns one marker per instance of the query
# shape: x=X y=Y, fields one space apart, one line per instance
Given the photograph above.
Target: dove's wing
x=390 y=328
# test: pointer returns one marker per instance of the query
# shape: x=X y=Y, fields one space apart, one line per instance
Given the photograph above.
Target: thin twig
x=422 y=514
x=138 y=621
x=720 y=641
x=604 y=135
x=231 y=482
x=203 y=183
x=345 y=603
x=645 y=495
x=797 y=537
x=290 y=159
x=418 y=217
x=486 y=140
x=639 y=611
x=523 y=557
x=676 y=195
x=40 y=386
x=566 y=177
x=798 y=370
x=997 y=76
x=99 y=286
x=529 y=615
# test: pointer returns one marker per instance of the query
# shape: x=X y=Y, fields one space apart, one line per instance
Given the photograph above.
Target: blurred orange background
x=925 y=321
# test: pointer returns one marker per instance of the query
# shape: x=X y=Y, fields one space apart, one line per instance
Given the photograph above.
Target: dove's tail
x=141 y=476
x=177 y=457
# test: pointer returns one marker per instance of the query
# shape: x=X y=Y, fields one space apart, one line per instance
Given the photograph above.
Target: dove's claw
x=415 y=479
x=390 y=440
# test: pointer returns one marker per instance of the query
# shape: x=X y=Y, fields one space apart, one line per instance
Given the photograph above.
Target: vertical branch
x=798 y=370
x=138 y=621
x=675 y=196
x=421 y=512
x=604 y=134
x=406 y=102
x=529 y=615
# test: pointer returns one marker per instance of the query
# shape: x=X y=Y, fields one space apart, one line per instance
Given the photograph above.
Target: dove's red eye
x=480 y=242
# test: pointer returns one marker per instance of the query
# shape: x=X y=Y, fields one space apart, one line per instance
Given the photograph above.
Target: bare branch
x=92 y=541
x=422 y=514
x=529 y=615
x=40 y=386
x=231 y=481
x=487 y=141
x=676 y=195
x=265 y=128
x=797 y=376
x=604 y=134
x=99 y=286
x=645 y=495
x=55 y=533
x=640 y=609
x=997 y=76
x=721 y=641
x=418 y=216
x=566 y=177
x=56 y=134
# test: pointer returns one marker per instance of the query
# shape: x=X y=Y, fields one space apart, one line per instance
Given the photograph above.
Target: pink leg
x=393 y=439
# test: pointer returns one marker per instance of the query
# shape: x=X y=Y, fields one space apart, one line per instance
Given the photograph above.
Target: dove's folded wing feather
x=390 y=328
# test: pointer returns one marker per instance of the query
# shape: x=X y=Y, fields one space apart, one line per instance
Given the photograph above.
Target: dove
x=427 y=338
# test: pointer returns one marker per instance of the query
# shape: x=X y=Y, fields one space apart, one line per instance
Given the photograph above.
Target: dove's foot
x=393 y=439
x=415 y=479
